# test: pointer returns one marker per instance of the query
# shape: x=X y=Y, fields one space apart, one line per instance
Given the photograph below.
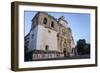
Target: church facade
x=49 y=37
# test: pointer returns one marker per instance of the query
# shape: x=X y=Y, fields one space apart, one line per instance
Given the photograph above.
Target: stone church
x=49 y=37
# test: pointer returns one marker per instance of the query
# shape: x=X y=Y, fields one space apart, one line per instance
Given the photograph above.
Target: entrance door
x=64 y=51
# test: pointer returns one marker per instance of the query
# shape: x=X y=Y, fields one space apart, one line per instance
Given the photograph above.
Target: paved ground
x=67 y=58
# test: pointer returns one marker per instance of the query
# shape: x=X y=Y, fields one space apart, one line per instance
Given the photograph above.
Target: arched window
x=52 y=24
x=45 y=21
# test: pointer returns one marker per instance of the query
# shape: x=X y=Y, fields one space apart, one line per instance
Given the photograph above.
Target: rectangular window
x=32 y=36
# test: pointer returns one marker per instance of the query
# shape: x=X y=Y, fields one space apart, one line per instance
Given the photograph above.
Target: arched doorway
x=65 y=49
x=46 y=47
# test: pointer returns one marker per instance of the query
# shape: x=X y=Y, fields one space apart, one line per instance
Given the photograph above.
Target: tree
x=82 y=47
x=87 y=49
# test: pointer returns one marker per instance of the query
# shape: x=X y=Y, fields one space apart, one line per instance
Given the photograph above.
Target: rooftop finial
x=62 y=18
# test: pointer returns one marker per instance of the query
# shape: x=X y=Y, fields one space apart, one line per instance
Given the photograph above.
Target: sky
x=78 y=22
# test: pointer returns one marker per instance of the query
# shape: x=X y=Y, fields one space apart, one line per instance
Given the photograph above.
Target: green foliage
x=82 y=47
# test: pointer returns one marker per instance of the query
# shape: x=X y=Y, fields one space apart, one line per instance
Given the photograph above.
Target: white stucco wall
x=46 y=38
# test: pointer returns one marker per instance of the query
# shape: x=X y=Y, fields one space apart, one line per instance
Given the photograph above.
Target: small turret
x=63 y=22
x=62 y=18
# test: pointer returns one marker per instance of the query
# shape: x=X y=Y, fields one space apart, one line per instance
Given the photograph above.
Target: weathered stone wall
x=50 y=19
x=57 y=37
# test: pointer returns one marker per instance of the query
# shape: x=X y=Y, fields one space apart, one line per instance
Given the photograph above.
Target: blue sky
x=78 y=22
